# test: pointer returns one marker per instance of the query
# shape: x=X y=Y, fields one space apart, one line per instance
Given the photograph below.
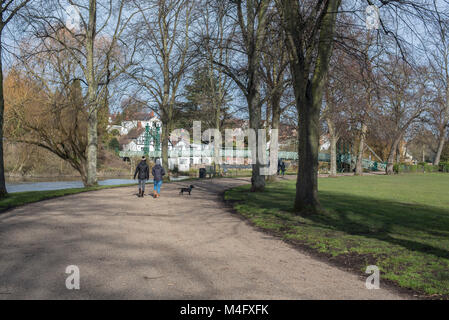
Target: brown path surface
x=173 y=247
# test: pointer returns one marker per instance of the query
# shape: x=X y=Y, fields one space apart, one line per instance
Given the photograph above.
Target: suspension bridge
x=345 y=160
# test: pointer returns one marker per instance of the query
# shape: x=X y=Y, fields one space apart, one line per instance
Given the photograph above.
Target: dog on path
x=189 y=190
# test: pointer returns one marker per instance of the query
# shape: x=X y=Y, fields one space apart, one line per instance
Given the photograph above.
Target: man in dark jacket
x=143 y=174
x=158 y=172
x=283 y=168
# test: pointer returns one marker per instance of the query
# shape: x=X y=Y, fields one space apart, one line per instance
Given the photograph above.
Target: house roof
x=132 y=134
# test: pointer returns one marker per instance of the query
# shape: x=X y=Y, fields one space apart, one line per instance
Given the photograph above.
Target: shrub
x=193 y=172
x=444 y=166
x=114 y=144
x=431 y=168
x=424 y=168
x=396 y=168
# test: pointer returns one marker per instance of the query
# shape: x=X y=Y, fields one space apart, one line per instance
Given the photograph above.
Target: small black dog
x=189 y=189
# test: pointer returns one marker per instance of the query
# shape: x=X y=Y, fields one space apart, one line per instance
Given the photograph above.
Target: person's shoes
x=143 y=193
x=140 y=193
x=154 y=194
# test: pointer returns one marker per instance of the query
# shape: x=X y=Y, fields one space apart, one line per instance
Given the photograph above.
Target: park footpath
x=174 y=247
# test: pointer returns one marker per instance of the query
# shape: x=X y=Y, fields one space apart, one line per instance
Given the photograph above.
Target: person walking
x=143 y=174
x=158 y=172
x=283 y=168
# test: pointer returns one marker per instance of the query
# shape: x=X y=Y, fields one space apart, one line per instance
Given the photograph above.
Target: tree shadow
x=413 y=226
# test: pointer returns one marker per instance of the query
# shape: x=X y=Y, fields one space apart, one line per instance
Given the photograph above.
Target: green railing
x=225 y=153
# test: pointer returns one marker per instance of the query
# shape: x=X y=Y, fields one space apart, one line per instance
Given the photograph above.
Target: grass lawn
x=20 y=198
x=399 y=223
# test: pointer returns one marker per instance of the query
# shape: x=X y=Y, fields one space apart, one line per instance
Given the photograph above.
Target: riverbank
x=58 y=177
x=48 y=184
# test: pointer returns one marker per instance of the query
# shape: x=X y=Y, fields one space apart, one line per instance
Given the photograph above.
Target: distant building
x=132 y=139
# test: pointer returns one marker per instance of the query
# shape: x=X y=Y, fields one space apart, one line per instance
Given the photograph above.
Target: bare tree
x=164 y=38
x=274 y=70
x=335 y=111
x=251 y=21
x=405 y=102
x=8 y=9
x=214 y=48
x=439 y=63
x=368 y=81
x=95 y=44
x=51 y=118
x=310 y=29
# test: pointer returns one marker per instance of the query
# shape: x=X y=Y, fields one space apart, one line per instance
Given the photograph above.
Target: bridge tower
x=152 y=134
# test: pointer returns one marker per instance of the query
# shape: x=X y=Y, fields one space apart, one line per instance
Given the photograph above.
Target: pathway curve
x=174 y=247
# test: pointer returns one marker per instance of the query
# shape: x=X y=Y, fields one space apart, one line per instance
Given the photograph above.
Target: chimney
x=139 y=124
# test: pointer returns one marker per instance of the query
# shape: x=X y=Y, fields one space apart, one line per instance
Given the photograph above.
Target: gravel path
x=174 y=247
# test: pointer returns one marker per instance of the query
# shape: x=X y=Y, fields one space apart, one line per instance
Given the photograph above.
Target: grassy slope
x=20 y=198
x=399 y=223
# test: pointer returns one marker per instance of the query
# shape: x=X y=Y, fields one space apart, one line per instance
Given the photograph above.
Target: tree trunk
x=333 y=137
x=306 y=200
x=441 y=142
x=445 y=123
x=256 y=30
x=92 y=140
x=164 y=139
x=81 y=168
x=309 y=98
x=92 y=122
x=359 y=164
x=217 y=116
x=3 y=191
x=275 y=102
x=257 y=180
x=391 y=155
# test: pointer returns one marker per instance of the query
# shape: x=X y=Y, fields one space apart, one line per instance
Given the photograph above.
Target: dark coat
x=142 y=170
x=158 y=172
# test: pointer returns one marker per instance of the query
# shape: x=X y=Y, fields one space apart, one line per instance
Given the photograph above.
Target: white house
x=182 y=153
x=141 y=120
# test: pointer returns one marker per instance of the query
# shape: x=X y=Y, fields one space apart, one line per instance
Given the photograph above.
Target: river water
x=14 y=185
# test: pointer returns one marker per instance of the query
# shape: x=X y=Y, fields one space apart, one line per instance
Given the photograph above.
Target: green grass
x=399 y=223
x=16 y=199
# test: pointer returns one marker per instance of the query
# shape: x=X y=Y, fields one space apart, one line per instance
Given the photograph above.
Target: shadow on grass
x=413 y=226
